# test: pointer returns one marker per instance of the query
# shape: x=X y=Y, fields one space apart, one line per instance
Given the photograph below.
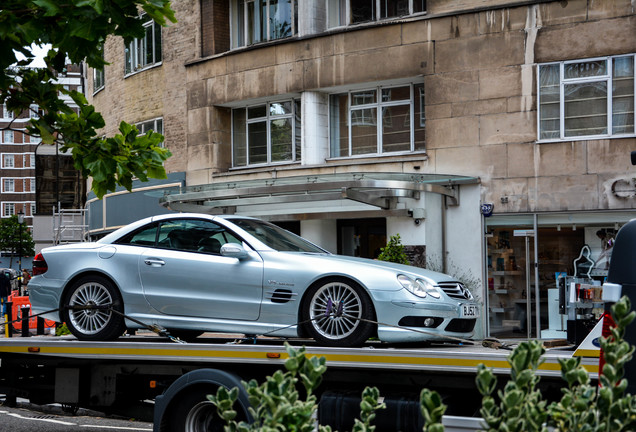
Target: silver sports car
x=191 y=273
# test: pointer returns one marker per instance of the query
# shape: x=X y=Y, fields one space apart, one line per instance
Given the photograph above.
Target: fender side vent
x=280 y=296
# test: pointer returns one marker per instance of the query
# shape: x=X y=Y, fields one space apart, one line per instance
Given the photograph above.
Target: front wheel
x=89 y=309
x=338 y=313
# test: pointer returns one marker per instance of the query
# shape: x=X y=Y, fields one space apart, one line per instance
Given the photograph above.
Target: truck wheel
x=195 y=413
x=99 y=323
x=335 y=310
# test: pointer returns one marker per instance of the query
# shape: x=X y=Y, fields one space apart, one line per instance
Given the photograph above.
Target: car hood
x=384 y=265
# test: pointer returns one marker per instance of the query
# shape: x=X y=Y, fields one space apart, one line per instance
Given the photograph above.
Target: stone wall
x=479 y=70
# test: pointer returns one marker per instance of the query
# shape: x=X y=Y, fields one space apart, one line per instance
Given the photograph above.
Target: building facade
x=492 y=136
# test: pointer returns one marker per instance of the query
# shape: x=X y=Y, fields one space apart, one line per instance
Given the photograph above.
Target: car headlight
x=419 y=287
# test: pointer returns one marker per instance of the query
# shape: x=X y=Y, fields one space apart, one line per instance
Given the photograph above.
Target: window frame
x=606 y=78
x=6 y=114
x=132 y=54
x=8 y=209
x=240 y=23
x=296 y=125
x=339 y=13
x=157 y=126
x=8 y=157
x=417 y=96
x=8 y=133
x=8 y=185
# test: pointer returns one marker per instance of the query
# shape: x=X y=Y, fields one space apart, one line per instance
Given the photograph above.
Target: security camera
x=417 y=221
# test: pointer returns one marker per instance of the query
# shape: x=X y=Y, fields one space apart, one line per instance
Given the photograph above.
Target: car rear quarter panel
x=66 y=265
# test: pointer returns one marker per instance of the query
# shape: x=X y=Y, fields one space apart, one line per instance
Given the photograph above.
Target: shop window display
x=572 y=263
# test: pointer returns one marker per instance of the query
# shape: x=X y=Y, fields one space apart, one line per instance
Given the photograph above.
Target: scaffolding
x=69 y=226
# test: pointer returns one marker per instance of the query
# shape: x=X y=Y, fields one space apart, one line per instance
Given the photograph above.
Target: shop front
x=544 y=272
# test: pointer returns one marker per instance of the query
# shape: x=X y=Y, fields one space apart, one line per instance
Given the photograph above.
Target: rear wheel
x=338 y=312
x=89 y=309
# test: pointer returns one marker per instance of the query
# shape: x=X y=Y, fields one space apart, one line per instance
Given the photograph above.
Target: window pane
x=393 y=8
x=396 y=128
x=257 y=142
x=239 y=144
x=549 y=111
x=364 y=131
x=298 y=128
x=157 y=48
x=339 y=132
x=148 y=42
x=280 y=19
x=280 y=108
x=362 y=11
x=257 y=111
x=396 y=94
x=585 y=109
x=419 y=6
x=420 y=118
x=129 y=55
x=585 y=69
x=363 y=97
x=623 y=95
x=281 y=139
x=336 y=10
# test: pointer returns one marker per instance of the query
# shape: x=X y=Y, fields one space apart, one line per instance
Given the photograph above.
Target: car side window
x=142 y=237
x=194 y=235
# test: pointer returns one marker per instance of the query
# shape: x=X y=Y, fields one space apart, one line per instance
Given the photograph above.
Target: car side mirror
x=233 y=250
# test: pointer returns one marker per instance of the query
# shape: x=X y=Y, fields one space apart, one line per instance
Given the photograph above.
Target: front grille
x=455 y=290
x=459 y=325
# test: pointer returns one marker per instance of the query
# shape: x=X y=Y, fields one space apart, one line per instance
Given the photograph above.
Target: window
x=191 y=235
x=29 y=184
x=255 y=21
x=586 y=98
x=7 y=137
x=8 y=185
x=377 y=121
x=145 y=52
x=34 y=112
x=35 y=139
x=8 y=161
x=6 y=114
x=32 y=206
x=345 y=12
x=9 y=209
x=265 y=134
x=98 y=76
x=31 y=163
x=155 y=125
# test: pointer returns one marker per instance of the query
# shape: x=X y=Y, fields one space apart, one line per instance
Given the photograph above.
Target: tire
x=95 y=324
x=195 y=413
x=333 y=309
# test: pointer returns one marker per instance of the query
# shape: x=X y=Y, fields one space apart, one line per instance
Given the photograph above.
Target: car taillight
x=611 y=294
x=39 y=265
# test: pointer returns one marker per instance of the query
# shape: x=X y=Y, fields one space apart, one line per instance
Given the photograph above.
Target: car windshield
x=276 y=237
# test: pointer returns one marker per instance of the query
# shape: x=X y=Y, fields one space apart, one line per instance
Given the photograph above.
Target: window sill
x=152 y=66
x=585 y=138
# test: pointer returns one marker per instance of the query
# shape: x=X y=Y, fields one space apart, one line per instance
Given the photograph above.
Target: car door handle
x=155 y=262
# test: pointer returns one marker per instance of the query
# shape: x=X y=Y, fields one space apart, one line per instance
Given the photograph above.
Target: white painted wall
x=315 y=128
x=464 y=239
x=322 y=232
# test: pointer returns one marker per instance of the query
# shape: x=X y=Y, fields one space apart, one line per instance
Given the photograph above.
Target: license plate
x=469 y=311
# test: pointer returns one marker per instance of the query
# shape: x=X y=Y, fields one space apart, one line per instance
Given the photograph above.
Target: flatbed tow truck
x=148 y=377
